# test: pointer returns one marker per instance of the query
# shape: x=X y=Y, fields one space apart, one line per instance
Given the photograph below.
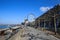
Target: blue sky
x=14 y=11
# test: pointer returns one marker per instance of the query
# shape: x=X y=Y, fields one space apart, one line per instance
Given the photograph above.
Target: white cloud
x=44 y=9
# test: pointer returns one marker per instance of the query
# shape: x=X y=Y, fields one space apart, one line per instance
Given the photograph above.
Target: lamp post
x=55 y=24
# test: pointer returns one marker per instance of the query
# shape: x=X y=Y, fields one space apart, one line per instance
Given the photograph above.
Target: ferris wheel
x=31 y=17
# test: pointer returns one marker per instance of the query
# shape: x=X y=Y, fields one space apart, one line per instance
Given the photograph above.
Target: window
x=58 y=12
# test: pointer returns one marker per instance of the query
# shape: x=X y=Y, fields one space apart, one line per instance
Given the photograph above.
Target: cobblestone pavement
x=29 y=33
x=2 y=38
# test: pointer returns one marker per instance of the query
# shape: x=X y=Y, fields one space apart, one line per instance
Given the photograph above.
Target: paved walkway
x=29 y=33
x=2 y=38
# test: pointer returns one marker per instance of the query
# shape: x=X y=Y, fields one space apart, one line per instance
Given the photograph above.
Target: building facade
x=50 y=20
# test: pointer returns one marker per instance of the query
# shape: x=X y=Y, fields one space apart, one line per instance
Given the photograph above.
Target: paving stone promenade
x=29 y=33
